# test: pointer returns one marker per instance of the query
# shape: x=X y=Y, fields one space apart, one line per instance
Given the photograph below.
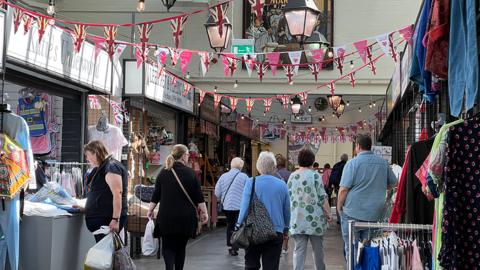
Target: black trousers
x=94 y=224
x=268 y=252
x=173 y=250
x=232 y=217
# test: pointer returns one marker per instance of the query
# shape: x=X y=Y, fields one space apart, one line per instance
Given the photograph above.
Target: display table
x=54 y=243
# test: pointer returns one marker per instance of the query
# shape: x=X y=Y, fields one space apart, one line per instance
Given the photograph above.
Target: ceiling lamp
x=334 y=101
x=51 y=7
x=301 y=16
x=218 y=42
x=296 y=105
x=168 y=4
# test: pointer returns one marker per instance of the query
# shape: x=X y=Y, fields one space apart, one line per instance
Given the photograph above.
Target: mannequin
x=102 y=124
x=110 y=135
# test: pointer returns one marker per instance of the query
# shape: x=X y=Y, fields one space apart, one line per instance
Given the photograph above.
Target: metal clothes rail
x=352 y=225
x=49 y=162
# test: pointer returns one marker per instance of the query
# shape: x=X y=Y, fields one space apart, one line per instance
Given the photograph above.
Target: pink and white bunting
x=249 y=61
x=407 y=34
x=267 y=102
x=289 y=72
x=185 y=58
x=273 y=59
x=98 y=45
x=383 y=42
x=177 y=26
x=257 y=7
x=285 y=100
x=216 y=100
x=261 y=70
x=295 y=58
x=249 y=102
x=362 y=47
x=303 y=97
x=186 y=89
x=233 y=103
x=205 y=59
x=174 y=55
x=93 y=102
x=119 y=51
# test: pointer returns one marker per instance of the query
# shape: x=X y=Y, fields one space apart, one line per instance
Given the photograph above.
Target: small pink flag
x=98 y=45
x=318 y=56
x=185 y=61
x=273 y=59
x=361 y=47
x=186 y=89
x=162 y=54
x=138 y=56
x=407 y=34
x=226 y=65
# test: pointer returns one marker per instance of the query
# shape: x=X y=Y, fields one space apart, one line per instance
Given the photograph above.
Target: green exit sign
x=242 y=46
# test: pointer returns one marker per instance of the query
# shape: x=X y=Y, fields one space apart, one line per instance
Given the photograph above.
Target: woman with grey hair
x=273 y=193
x=229 y=190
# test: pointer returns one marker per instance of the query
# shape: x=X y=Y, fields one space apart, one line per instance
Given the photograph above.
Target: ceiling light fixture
x=141 y=5
x=235 y=85
x=51 y=7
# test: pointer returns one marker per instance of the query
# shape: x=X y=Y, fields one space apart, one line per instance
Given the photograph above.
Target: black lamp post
x=218 y=42
x=301 y=16
x=168 y=4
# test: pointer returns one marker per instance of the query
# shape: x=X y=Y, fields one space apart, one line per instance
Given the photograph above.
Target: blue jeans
x=359 y=235
x=462 y=55
x=10 y=224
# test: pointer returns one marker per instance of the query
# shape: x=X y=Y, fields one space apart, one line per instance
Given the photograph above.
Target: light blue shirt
x=273 y=193
x=367 y=177
x=231 y=199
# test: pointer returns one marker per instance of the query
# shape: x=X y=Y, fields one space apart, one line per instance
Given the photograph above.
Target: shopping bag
x=149 y=244
x=100 y=256
x=121 y=257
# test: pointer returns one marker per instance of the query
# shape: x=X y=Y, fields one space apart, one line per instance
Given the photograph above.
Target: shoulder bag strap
x=250 y=204
x=183 y=189
x=224 y=197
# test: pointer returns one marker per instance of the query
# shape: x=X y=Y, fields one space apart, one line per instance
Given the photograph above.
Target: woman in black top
x=107 y=184
x=177 y=217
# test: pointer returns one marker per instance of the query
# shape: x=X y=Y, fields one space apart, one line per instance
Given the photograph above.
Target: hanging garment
x=460 y=231
x=17 y=129
x=14 y=172
x=32 y=110
x=400 y=204
x=418 y=74
x=416 y=261
x=437 y=39
x=112 y=138
x=462 y=55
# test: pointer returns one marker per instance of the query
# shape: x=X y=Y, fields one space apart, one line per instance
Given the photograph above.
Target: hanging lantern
x=296 y=105
x=218 y=41
x=168 y=4
x=301 y=16
x=340 y=109
x=334 y=101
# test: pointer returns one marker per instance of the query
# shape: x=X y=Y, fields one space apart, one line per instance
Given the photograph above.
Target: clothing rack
x=352 y=225
x=66 y=163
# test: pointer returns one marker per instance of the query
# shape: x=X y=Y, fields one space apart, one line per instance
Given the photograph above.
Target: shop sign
x=56 y=55
x=405 y=70
x=301 y=119
x=208 y=112
x=242 y=46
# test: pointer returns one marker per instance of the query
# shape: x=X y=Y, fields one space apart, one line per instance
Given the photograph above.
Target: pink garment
x=422 y=174
x=41 y=145
x=326 y=177
x=416 y=261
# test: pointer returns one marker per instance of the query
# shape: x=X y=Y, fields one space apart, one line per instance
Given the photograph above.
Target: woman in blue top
x=310 y=211
x=273 y=193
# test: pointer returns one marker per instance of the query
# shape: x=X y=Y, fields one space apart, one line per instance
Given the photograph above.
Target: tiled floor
x=209 y=252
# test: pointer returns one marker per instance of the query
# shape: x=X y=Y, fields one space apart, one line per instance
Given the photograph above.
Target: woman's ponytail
x=169 y=162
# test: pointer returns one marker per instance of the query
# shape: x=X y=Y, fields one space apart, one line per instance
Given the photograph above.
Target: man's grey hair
x=266 y=163
x=344 y=157
x=237 y=163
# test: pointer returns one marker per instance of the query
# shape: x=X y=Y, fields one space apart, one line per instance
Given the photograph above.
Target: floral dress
x=307 y=196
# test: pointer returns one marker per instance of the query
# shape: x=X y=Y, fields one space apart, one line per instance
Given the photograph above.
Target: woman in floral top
x=310 y=211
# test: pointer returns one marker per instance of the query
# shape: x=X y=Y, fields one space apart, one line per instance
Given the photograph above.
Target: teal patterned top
x=307 y=196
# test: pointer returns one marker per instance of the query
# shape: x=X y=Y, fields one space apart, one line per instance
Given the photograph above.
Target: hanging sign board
x=56 y=55
x=242 y=46
x=383 y=151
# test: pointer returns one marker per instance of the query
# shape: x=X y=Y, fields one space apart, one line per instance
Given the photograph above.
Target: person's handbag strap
x=183 y=189
x=250 y=204
x=224 y=197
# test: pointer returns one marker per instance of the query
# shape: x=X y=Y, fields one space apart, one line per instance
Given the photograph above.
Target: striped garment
x=232 y=200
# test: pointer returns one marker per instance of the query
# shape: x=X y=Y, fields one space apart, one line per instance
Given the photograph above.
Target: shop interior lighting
x=359 y=109
x=235 y=85
x=51 y=7
x=141 y=6
x=309 y=109
x=352 y=66
x=188 y=75
x=348 y=103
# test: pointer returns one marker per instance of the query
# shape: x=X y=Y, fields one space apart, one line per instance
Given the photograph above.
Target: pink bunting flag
x=289 y=72
x=295 y=58
x=98 y=45
x=139 y=57
x=361 y=47
x=205 y=59
x=407 y=34
x=318 y=56
x=303 y=97
x=216 y=100
x=162 y=54
x=273 y=59
x=383 y=41
x=233 y=103
x=27 y=23
x=185 y=61
x=284 y=99
x=186 y=89
x=249 y=102
x=267 y=102
x=202 y=96
x=119 y=51
x=226 y=65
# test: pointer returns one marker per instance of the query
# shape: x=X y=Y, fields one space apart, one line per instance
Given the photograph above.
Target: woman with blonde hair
x=181 y=205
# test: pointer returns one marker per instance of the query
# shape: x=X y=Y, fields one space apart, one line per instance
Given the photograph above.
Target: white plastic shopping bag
x=149 y=244
x=100 y=256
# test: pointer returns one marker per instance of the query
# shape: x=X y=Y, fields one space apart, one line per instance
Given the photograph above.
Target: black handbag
x=257 y=227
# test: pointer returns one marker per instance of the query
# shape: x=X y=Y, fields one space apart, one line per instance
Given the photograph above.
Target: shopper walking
x=229 y=190
x=363 y=187
x=336 y=176
x=107 y=184
x=282 y=171
x=180 y=196
x=327 y=171
x=310 y=211
x=273 y=193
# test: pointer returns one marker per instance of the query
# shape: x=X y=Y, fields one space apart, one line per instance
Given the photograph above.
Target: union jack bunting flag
x=284 y=99
x=261 y=70
x=27 y=23
x=117 y=112
x=268 y=104
x=144 y=33
x=257 y=7
x=303 y=97
x=17 y=19
x=93 y=102
x=233 y=103
x=42 y=27
x=218 y=13
x=177 y=25
x=79 y=35
x=110 y=32
x=250 y=102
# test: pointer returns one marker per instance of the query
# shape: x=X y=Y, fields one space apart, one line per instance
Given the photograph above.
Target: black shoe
x=233 y=252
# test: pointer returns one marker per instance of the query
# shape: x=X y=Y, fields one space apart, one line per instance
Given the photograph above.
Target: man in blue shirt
x=229 y=191
x=363 y=187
